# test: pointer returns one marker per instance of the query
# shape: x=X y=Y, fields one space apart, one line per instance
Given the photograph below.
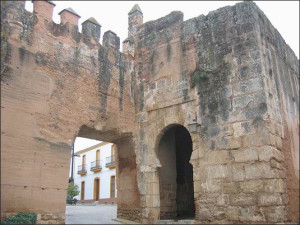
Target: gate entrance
x=176 y=174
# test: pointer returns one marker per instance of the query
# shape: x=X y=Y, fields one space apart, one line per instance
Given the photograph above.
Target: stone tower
x=135 y=19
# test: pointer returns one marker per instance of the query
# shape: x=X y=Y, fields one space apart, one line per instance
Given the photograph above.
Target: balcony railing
x=81 y=169
x=96 y=166
x=110 y=162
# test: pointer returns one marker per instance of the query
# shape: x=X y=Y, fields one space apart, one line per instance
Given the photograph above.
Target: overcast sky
x=113 y=15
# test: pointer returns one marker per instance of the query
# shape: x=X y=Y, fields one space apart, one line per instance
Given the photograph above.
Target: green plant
x=21 y=218
x=73 y=190
x=199 y=75
x=77 y=53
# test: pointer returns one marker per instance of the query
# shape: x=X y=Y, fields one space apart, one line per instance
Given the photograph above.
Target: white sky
x=82 y=143
x=113 y=15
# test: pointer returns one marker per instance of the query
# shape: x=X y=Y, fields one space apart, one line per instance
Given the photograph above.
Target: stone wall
x=56 y=84
x=212 y=69
x=281 y=68
x=230 y=71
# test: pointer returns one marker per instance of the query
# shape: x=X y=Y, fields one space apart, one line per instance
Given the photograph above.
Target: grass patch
x=21 y=218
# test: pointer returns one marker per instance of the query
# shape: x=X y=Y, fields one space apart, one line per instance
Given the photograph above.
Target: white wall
x=104 y=175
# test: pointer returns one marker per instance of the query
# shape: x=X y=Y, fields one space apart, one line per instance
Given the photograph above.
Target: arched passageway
x=125 y=179
x=176 y=174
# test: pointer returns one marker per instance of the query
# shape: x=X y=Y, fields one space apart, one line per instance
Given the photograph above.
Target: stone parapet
x=43 y=9
x=91 y=28
x=110 y=39
x=68 y=15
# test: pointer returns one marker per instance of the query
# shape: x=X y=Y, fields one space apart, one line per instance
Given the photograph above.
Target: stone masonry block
x=251 y=213
x=211 y=186
x=260 y=171
x=238 y=172
x=233 y=187
x=242 y=128
x=218 y=213
x=229 y=143
x=275 y=213
x=274 y=185
x=241 y=101
x=217 y=157
x=204 y=215
x=233 y=213
x=278 y=142
x=256 y=139
x=222 y=200
x=200 y=173
x=269 y=199
x=218 y=171
x=266 y=153
x=246 y=155
x=248 y=86
x=276 y=164
x=242 y=200
x=207 y=199
x=252 y=186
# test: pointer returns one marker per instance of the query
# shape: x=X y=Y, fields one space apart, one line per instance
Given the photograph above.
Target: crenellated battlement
x=110 y=39
x=68 y=15
x=67 y=30
x=91 y=28
x=43 y=9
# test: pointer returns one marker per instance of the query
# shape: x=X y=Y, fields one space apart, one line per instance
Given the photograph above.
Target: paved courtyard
x=91 y=214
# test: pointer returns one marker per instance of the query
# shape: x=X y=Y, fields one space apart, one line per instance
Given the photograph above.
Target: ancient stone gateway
x=204 y=112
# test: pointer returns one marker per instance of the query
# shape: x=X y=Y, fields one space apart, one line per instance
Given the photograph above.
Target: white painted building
x=95 y=173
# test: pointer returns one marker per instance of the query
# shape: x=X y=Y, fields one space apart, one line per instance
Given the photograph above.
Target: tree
x=73 y=190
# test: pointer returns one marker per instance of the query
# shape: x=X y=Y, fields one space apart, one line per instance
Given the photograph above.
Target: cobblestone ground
x=91 y=214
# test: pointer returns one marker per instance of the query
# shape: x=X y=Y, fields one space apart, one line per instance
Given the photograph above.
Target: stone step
x=175 y=221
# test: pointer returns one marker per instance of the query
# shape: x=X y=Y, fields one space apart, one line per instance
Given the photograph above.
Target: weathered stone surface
x=242 y=200
x=252 y=213
x=204 y=214
x=260 y=171
x=270 y=199
x=266 y=153
x=231 y=188
x=238 y=172
x=222 y=200
x=252 y=186
x=246 y=155
x=233 y=213
x=230 y=71
x=211 y=186
x=274 y=185
x=219 y=171
x=275 y=213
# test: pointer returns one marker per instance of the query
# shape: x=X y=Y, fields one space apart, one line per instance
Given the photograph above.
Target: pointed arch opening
x=176 y=174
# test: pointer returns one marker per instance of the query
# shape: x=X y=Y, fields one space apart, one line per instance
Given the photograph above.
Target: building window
x=83 y=162
x=82 y=168
x=98 y=155
x=82 y=190
x=113 y=150
x=112 y=186
x=110 y=160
